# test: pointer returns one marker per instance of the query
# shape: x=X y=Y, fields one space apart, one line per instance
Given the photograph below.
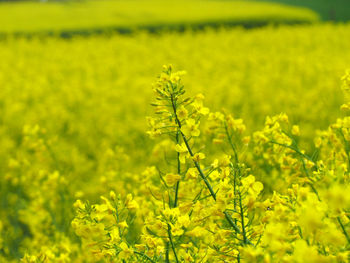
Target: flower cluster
x=203 y=208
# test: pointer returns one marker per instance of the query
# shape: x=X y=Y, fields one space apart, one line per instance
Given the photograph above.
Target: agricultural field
x=69 y=18
x=223 y=144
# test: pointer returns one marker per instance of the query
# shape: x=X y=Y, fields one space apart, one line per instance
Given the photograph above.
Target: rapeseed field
x=219 y=145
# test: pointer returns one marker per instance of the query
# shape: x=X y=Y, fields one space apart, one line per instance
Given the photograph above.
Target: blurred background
x=68 y=17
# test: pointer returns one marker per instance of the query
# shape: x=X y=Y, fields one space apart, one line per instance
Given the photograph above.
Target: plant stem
x=178 y=172
x=173 y=103
x=295 y=150
x=196 y=164
x=172 y=243
x=344 y=230
x=212 y=193
x=230 y=221
x=167 y=253
x=245 y=239
x=233 y=168
x=199 y=169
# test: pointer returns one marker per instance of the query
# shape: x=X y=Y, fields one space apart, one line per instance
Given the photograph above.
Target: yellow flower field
x=242 y=157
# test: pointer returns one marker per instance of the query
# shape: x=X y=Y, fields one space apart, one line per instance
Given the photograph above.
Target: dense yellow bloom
x=263 y=195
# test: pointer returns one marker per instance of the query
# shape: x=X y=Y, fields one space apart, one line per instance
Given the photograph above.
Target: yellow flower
x=215 y=164
x=177 y=230
x=182 y=113
x=225 y=160
x=114 y=235
x=123 y=224
x=305 y=253
x=246 y=140
x=236 y=124
x=29 y=259
x=79 y=204
x=337 y=201
x=251 y=254
x=192 y=173
x=248 y=181
x=182 y=149
x=130 y=203
x=196 y=232
x=140 y=247
x=172 y=179
x=295 y=130
x=198 y=105
x=112 y=195
x=184 y=220
x=190 y=128
x=185 y=207
x=126 y=252
x=257 y=187
x=198 y=157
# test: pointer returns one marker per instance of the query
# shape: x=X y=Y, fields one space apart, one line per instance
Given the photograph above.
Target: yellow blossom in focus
x=191 y=128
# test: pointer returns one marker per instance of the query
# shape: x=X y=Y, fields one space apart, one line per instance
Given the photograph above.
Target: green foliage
x=335 y=10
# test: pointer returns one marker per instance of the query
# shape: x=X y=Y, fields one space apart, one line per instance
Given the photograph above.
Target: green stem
x=173 y=103
x=294 y=149
x=172 y=243
x=344 y=230
x=245 y=239
x=167 y=253
x=199 y=169
x=196 y=164
x=230 y=221
x=237 y=165
x=191 y=153
x=207 y=183
x=176 y=201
